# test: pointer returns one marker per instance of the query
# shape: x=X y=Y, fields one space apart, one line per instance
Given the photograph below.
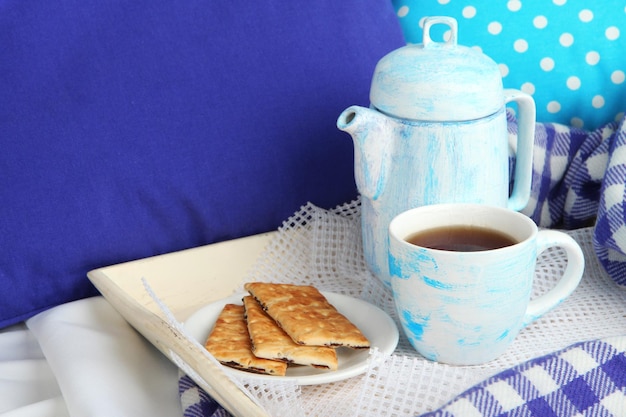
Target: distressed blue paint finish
x=467 y=307
x=476 y=315
x=432 y=282
x=395 y=268
x=435 y=133
x=416 y=329
x=400 y=165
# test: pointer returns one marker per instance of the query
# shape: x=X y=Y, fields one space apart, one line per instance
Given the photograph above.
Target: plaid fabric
x=196 y=402
x=579 y=178
x=610 y=230
x=586 y=379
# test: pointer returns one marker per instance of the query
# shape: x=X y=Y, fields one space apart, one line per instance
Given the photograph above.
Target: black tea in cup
x=461 y=238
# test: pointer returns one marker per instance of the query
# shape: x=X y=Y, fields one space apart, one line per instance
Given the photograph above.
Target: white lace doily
x=323 y=248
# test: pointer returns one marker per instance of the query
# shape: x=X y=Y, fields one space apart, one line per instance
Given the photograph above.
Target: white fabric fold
x=51 y=407
x=27 y=385
x=102 y=365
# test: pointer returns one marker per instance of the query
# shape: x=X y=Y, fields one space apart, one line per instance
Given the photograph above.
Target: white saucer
x=375 y=324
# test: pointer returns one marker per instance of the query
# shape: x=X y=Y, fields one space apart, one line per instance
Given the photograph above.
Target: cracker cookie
x=271 y=342
x=306 y=316
x=229 y=343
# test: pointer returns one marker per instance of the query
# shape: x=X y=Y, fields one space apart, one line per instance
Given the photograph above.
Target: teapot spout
x=356 y=119
x=372 y=135
x=348 y=120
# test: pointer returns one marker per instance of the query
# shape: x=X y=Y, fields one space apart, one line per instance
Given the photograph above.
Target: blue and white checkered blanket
x=586 y=379
x=579 y=179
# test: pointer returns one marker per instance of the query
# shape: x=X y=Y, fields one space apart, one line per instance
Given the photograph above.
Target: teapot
x=435 y=132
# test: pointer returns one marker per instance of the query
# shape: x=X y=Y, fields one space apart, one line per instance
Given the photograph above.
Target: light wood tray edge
x=120 y=284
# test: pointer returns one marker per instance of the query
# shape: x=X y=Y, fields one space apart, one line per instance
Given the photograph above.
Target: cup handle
x=524 y=151
x=569 y=281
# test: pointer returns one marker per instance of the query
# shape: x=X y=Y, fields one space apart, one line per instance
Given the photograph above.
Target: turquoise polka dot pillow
x=569 y=55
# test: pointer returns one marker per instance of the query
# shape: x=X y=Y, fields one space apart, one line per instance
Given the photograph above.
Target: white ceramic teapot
x=436 y=132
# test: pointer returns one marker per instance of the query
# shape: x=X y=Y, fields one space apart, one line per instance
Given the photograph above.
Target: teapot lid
x=437 y=81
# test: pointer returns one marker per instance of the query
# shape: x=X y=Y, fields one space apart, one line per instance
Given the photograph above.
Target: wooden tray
x=184 y=281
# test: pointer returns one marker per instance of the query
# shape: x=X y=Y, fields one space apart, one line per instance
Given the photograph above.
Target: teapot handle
x=524 y=147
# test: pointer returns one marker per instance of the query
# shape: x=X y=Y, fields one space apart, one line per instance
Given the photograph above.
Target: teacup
x=465 y=302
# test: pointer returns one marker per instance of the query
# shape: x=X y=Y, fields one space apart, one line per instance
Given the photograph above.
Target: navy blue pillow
x=131 y=129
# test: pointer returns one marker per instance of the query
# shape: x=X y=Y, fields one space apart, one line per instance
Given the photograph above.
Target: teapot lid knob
x=429 y=22
x=437 y=81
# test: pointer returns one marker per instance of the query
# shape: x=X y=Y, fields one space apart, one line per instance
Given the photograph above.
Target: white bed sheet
x=83 y=359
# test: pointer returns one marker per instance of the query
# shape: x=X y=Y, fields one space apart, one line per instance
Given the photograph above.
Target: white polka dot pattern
x=570 y=55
